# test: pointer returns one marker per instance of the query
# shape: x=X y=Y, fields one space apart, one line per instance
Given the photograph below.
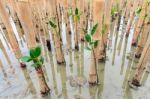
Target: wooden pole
x=5 y=18
x=142 y=41
x=140 y=23
x=142 y=64
x=131 y=17
x=26 y=21
x=98 y=12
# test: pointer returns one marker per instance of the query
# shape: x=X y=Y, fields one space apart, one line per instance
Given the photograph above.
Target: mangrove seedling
x=92 y=44
x=138 y=11
x=114 y=12
x=38 y=60
x=57 y=42
x=76 y=18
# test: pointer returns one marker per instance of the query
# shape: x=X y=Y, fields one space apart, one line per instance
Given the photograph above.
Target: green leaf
x=91 y=43
x=37 y=52
x=114 y=10
x=95 y=44
x=41 y=60
x=36 y=65
x=26 y=59
x=52 y=24
x=138 y=11
x=76 y=18
x=32 y=53
x=94 y=29
x=70 y=12
x=76 y=11
x=87 y=37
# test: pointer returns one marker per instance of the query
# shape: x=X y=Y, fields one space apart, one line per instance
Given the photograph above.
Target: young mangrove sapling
x=57 y=43
x=38 y=60
x=92 y=44
x=114 y=12
x=76 y=18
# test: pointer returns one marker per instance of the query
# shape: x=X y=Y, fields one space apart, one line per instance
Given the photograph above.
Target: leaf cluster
x=138 y=11
x=35 y=56
x=76 y=14
x=89 y=38
x=52 y=23
x=114 y=10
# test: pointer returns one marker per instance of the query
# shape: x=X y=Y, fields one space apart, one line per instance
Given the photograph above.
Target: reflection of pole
x=77 y=56
x=120 y=44
x=28 y=79
x=127 y=74
x=63 y=81
x=82 y=60
x=146 y=74
x=114 y=53
x=53 y=72
x=124 y=56
x=4 y=73
x=101 y=76
x=128 y=93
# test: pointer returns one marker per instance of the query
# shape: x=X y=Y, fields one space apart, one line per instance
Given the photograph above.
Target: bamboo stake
x=26 y=22
x=128 y=7
x=140 y=23
x=141 y=42
x=5 y=53
x=107 y=19
x=5 y=18
x=98 y=8
x=131 y=17
x=142 y=64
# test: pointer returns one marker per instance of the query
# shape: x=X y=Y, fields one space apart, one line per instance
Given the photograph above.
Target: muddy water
x=69 y=81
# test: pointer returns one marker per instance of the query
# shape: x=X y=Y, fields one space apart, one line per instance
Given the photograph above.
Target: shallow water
x=64 y=80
